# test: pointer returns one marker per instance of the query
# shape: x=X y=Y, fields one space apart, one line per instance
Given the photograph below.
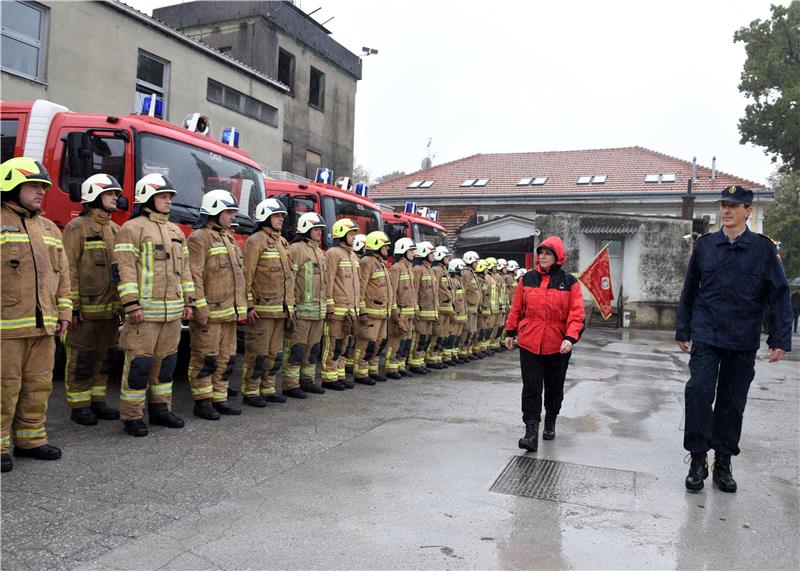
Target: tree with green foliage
x=782 y=220
x=771 y=78
x=390 y=176
x=361 y=174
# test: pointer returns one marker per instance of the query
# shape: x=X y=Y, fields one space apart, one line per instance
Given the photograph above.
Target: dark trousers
x=542 y=371
x=727 y=373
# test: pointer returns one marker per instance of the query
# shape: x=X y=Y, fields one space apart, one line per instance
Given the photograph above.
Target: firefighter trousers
x=213 y=359
x=88 y=351
x=370 y=342
x=439 y=336
x=335 y=336
x=485 y=324
x=26 y=372
x=303 y=352
x=457 y=326
x=263 y=355
x=420 y=340
x=468 y=333
x=151 y=354
x=398 y=344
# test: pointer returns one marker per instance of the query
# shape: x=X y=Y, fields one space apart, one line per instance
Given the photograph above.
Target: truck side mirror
x=79 y=159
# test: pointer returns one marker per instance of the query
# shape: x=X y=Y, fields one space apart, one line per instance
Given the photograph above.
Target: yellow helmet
x=343 y=226
x=481 y=266
x=491 y=263
x=377 y=240
x=15 y=171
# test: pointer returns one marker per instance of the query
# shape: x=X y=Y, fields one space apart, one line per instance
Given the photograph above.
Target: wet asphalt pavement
x=399 y=476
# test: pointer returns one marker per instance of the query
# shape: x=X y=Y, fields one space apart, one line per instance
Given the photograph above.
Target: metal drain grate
x=570 y=483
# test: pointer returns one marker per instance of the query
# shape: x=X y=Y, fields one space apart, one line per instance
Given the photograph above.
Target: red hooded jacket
x=547 y=307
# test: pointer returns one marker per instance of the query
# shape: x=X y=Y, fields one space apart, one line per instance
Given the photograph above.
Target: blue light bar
x=325 y=176
x=411 y=208
x=149 y=109
x=226 y=137
x=362 y=189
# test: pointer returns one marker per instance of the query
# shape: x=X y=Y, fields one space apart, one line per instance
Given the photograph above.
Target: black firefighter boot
x=104 y=412
x=722 y=474
x=227 y=408
x=308 y=386
x=204 y=409
x=83 y=415
x=162 y=416
x=8 y=464
x=43 y=452
x=530 y=441
x=698 y=471
x=549 y=432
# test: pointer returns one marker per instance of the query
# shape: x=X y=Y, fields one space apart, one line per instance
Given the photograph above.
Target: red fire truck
x=415 y=226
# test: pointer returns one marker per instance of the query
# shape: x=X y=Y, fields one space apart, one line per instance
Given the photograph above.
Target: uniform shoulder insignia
x=768 y=238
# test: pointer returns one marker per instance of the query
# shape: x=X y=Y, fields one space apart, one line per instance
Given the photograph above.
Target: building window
x=659 y=178
x=286 y=68
x=152 y=76
x=23 y=44
x=533 y=181
x=469 y=182
x=596 y=179
x=316 y=92
x=241 y=103
x=421 y=184
x=313 y=162
x=286 y=162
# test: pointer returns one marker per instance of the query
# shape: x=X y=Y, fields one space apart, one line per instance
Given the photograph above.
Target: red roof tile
x=454 y=219
x=625 y=168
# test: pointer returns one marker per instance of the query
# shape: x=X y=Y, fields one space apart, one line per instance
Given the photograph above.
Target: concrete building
x=104 y=57
x=280 y=40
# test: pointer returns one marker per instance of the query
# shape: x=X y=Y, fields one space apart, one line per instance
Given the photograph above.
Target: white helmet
x=359 y=242
x=216 y=201
x=456 y=265
x=423 y=249
x=521 y=272
x=470 y=257
x=150 y=185
x=308 y=221
x=403 y=245
x=440 y=253
x=96 y=185
x=268 y=207
x=501 y=263
x=513 y=266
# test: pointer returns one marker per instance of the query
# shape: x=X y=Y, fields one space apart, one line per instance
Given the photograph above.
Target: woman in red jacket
x=547 y=317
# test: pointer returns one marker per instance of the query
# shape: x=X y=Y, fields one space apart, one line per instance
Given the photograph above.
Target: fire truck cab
x=415 y=226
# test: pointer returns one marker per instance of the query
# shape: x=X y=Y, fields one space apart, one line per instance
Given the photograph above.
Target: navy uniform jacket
x=726 y=290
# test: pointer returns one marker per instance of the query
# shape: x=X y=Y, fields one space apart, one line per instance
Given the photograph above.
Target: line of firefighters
x=343 y=307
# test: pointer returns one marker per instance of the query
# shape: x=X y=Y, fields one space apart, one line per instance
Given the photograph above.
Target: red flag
x=597 y=279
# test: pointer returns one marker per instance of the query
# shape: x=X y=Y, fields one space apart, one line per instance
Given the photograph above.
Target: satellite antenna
x=427 y=162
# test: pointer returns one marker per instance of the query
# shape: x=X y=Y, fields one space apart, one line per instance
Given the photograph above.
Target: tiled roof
x=454 y=219
x=625 y=169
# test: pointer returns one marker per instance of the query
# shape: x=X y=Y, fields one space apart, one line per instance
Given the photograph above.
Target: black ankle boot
x=104 y=412
x=227 y=408
x=135 y=427
x=255 y=401
x=549 y=432
x=43 y=452
x=8 y=463
x=310 y=387
x=162 y=416
x=698 y=471
x=530 y=441
x=205 y=410
x=722 y=474
x=84 y=416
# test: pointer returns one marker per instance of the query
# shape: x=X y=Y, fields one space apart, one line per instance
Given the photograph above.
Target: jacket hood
x=555 y=244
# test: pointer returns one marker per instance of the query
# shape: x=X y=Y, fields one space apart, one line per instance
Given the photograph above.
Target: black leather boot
x=530 y=441
x=333 y=385
x=104 y=412
x=227 y=408
x=406 y=373
x=393 y=375
x=43 y=452
x=698 y=471
x=275 y=398
x=364 y=381
x=204 y=409
x=295 y=393
x=722 y=474
x=135 y=427
x=418 y=370
x=160 y=415
x=348 y=384
x=84 y=416
x=7 y=463
x=310 y=387
x=255 y=401
x=377 y=377
x=549 y=432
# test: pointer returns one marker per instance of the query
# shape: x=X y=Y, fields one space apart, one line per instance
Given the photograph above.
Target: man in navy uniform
x=733 y=276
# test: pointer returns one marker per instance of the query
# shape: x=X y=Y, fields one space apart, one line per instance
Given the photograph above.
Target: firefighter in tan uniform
x=442 y=326
x=428 y=304
x=455 y=267
x=221 y=301
x=269 y=284
x=401 y=322
x=358 y=247
x=508 y=297
x=485 y=317
x=304 y=341
x=513 y=276
x=343 y=291
x=493 y=281
x=96 y=309
x=151 y=266
x=35 y=307
x=375 y=306
x=472 y=295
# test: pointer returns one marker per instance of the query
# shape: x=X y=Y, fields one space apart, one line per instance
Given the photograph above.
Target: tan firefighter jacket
x=511 y=287
x=459 y=299
x=502 y=291
x=268 y=274
x=152 y=265
x=403 y=285
x=472 y=290
x=492 y=291
x=427 y=291
x=342 y=283
x=377 y=295
x=445 y=288
x=218 y=272
x=35 y=274
x=89 y=244
x=486 y=293
x=308 y=265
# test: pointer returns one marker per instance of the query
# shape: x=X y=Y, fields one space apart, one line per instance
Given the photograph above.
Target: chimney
x=687 y=203
x=714 y=168
x=694 y=168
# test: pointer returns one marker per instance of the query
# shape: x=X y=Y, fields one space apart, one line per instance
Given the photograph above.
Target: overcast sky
x=489 y=77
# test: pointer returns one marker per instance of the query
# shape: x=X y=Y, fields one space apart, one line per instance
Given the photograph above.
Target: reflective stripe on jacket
x=445 y=289
x=152 y=263
x=427 y=291
x=268 y=274
x=403 y=285
x=472 y=290
x=377 y=294
x=342 y=285
x=217 y=268
x=308 y=264
x=35 y=274
x=459 y=299
x=89 y=244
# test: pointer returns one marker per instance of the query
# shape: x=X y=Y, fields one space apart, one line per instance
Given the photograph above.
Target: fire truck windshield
x=368 y=218
x=195 y=171
x=433 y=235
